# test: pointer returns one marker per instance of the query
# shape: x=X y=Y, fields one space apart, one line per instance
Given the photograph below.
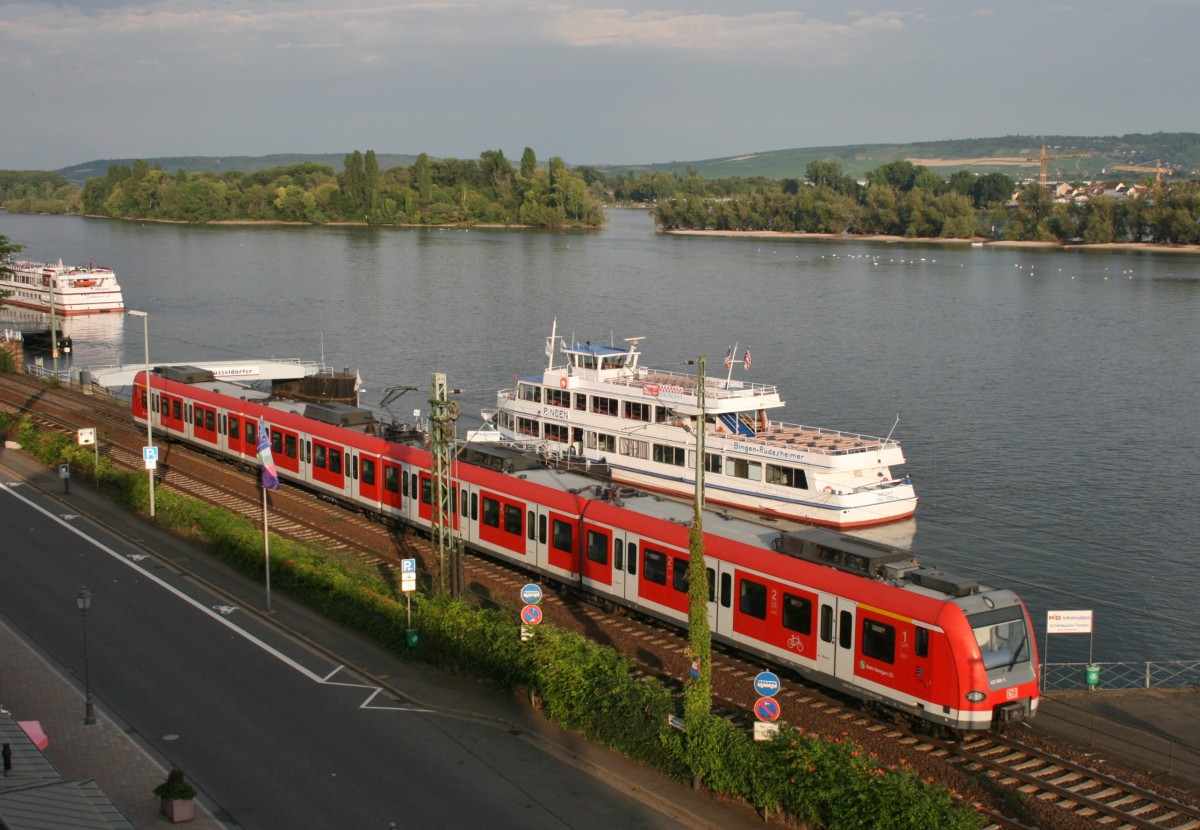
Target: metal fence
x=1164 y=674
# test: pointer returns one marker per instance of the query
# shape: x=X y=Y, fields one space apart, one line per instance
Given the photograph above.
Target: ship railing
x=715 y=388
x=819 y=439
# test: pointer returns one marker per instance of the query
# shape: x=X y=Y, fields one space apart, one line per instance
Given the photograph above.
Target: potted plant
x=177 y=795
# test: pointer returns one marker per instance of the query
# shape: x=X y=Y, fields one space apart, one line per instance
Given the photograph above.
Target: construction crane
x=1043 y=158
x=1157 y=170
x=1016 y=161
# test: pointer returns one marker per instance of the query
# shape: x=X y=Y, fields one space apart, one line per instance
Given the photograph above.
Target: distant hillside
x=80 y=173
x=1178 y=151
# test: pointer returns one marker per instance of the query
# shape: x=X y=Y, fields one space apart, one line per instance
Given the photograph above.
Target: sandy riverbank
x=1003 y=243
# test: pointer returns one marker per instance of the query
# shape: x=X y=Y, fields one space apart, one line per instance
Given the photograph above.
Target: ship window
x=597 y=547
x=637 y=411
x=712 y=463
x=787 y=476
x=491 y=512
x=797 y=614
x=879 y=641
x=601 y=441
x=581 y=401
x=335 y=461
x=235 y=429
x=741 y=468
x=666 y=454
x=604 y=406
x=530 y=392
x=368 y=471
x=391 y=478
x=679 y=576
x=558 y=397
x=635 y=449
x=512 y=519
x=556 y=432
x=527 y=426
x=655 y=566
x=562 y=536
x=752 y=599
x=319 y=457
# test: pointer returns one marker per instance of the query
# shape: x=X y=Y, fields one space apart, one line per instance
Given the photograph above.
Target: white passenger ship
x=602 y=407
x=77 y=289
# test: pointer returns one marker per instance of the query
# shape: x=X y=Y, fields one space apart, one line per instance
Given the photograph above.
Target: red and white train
x=850 y=614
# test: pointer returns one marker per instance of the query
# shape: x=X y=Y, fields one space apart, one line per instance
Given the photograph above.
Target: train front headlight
x=977 y=697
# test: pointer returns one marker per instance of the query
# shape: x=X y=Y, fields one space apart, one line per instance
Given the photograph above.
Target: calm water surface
x=1048 y=400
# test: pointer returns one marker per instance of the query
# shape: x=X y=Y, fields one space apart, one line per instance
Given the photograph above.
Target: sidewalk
x=34 y=690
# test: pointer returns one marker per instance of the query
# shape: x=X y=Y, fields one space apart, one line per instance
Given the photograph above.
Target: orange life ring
x=827 y=490
x=562 y=382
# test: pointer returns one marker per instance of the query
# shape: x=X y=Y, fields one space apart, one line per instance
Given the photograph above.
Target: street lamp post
x=149 y=400
x=83 y=600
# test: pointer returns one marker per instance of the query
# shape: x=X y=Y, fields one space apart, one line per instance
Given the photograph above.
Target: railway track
x=1074 y=789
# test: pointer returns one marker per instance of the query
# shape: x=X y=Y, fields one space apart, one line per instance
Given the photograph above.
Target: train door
x=619 y=563
x=835 y=637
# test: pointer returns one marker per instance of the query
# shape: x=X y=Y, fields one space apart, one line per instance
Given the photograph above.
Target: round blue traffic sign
x=531 y=615
x=766 y=683
x=531 y=594
x=767 y=709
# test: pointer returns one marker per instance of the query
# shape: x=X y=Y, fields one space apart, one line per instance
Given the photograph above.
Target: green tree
x=992 y=188
x=529 y=163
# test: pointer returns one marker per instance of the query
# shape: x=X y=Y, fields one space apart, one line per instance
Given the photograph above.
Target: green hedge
x=583 y=687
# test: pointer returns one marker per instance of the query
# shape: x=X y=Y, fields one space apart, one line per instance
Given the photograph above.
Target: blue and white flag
x=270 y=478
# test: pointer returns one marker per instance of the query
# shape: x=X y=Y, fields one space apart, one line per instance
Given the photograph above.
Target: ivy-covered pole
x=697 y=693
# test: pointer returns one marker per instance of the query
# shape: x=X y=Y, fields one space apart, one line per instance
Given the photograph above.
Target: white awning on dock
x=246 y=371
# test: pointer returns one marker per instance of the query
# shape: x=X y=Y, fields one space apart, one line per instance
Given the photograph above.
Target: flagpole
x=267 y=548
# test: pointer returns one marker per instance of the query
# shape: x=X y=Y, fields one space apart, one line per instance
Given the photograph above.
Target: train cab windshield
x=1002 y=637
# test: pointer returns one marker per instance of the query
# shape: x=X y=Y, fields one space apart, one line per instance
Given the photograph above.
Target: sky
x=593 y=81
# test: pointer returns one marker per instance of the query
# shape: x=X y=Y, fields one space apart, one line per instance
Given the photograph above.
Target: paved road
x=273 y=732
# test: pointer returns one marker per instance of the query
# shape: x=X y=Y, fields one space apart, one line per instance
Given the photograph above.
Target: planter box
x=179 y=809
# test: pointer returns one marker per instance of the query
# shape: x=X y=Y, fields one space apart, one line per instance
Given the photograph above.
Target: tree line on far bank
x=902 y=199
x=429 y=192
x=897 y=198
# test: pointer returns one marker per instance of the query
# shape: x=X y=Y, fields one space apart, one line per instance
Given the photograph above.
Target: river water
x=1047 y=400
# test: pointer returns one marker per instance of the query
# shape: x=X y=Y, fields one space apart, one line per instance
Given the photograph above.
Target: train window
x=491 y=512
x=680 y=575
x=235 y=429
x=512 y=519
x=142 y=397
x=922 y=645
x=827 y=623
x=752 y=599
x=618 y=555
x=289 y=446
x=306 y=450
x=845 y=629
x=335 y=460
x=879 y=641
x=631 y=554
x=352 y=467
x=368 y=471
x=711 y=576
x=797 y=614
x=319 y=457
x=562 y=536
x=251 y=433
x=597 y=547
x=541 y=530
x=787 y=476
x=187 y=412
x=276 y=441
x=177 y=410
x=208 y=420
x=427 y=491
x=198 y=416
x=655 y=566
x=1003 y=641
x=726 y=590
